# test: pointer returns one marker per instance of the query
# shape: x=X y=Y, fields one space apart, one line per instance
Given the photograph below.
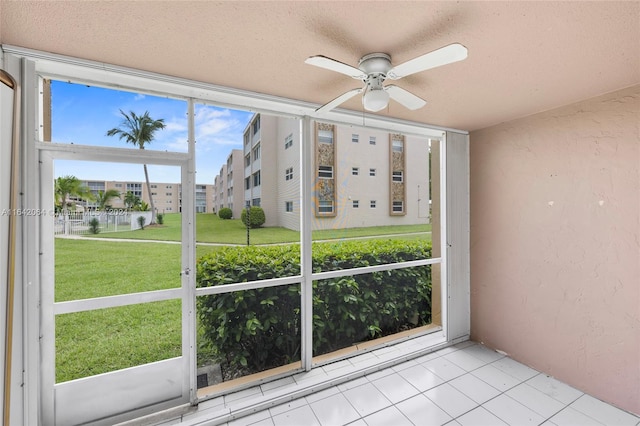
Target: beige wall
x=555 y=243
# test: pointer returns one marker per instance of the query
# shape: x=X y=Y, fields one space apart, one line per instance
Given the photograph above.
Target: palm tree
x=131 y=200
x=142 y=206
x=70 y=186
x=66 y=187
x=104 y=197
x=139 y=130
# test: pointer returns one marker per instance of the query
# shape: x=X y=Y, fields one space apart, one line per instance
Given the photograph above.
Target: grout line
x=382 y=365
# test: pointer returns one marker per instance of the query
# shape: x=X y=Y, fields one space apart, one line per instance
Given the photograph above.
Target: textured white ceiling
x=524 y=57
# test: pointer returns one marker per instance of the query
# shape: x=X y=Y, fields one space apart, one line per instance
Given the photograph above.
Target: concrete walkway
x=130 y=240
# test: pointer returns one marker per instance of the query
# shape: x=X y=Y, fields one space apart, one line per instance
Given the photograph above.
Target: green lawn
x=211 y=229
x=95 y=342
x=104 y=340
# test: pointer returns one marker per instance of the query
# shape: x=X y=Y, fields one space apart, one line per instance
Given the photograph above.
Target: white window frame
x=325 y=136
x=355 y=171
x=325 y=206
x=373 y=204
x=455 y=326
x=373 y=172
x=325 y=172
x=397 y=176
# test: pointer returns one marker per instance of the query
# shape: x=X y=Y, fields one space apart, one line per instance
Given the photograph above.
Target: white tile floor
x=466 y=384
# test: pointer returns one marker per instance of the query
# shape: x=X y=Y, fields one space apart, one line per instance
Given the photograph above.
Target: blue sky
x=83 y=115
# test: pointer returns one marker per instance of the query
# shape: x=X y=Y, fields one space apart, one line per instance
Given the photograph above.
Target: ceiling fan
x=374 y=68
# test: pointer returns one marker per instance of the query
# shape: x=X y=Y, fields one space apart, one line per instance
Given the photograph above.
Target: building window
x=288 y=142
x=256 y=125
x=355 y=138
x=397 y=146
x=398 y=207
x=168 y=194
x=325 y=172
x=355 y=204
x=247 y=160
x=256 y=178
x=372 y=204
x=154 y=193
x=118 y=185
x=169 y=186
x=255 y=202
x=372 y=172
x=372 y=140
x=325 y=136
x=325 y=206
x=397 y=177
x=256 y=152
x=247 y=183
x=246 y=138
x=154 y=187
x=355 y=171
x=288 y=206
x=288 y=174
x=135 y=188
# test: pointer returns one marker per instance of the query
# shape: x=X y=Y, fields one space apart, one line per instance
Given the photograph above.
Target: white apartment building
x=227 y=191
x=362 y=176
x=220 y=189
x=167 y=197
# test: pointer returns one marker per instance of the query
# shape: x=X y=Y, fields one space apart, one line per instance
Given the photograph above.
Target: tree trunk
x=153 y=207
x=65 y=215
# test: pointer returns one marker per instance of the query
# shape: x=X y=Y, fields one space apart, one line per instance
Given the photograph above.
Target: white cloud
x=175 y=125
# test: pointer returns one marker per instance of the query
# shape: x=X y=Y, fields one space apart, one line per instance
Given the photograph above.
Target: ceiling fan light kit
x=375 y=100
x=374 y=68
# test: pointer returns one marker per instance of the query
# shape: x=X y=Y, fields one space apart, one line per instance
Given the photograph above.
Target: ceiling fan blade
x=404 y=97
x=337 y=66
x=443 y=56
x=337 y=101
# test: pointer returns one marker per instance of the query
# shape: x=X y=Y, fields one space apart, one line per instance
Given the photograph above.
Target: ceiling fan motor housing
x=375 y=63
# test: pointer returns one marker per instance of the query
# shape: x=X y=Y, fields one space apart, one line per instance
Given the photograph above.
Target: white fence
x=111 y=221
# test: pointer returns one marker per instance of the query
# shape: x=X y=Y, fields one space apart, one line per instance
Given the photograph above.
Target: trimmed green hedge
x=252 y=330
x=256 y=217
x=225 y=213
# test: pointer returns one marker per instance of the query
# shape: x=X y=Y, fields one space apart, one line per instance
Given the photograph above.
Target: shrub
x=251 y=330
x=160 y=218
x=256 y=217
x=94 y=225
x=225 y=213
x=141 y=221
